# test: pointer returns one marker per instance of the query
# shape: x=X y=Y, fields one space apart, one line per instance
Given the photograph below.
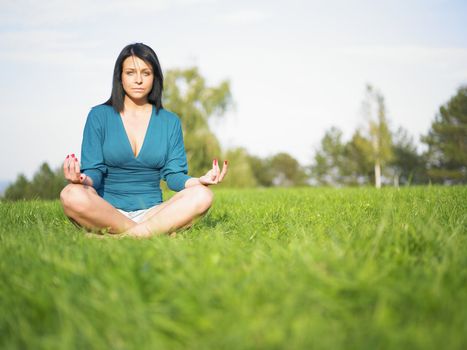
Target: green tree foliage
x=46 y=184
x=351 y=163
x=240 y=173
x=281 y=170
x=408 y=166
x=358 y=167
x=287 y=171
x=20 y=189
x=377 y=132
x=343 y=163
x=262 y=170
x=329 y=160
x=447 y=141
x=360 y=160
x=187 y=95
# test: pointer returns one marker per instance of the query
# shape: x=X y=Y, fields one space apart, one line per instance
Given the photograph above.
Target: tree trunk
x=396 y=180
x=377 y=174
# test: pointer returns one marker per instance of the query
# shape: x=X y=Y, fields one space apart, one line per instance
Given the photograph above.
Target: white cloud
x=33 y=14
x=245 y=16
x=405 y=54
x=50 y=47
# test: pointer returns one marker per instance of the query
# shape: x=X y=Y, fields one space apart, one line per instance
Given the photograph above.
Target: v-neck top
x=125 y=181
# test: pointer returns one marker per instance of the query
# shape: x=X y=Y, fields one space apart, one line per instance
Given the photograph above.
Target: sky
x=295 y=68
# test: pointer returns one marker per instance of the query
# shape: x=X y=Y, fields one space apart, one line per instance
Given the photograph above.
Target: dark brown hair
x=147 y=54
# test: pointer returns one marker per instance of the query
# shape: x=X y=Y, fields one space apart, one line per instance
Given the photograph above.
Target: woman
x=129 y=143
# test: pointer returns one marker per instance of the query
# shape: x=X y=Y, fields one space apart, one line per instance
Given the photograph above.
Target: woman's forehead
x=135 y=62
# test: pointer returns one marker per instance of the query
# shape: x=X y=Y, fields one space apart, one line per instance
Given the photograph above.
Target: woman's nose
x=139 y=77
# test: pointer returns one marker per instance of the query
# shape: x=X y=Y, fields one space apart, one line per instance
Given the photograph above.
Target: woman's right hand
x=72 y=171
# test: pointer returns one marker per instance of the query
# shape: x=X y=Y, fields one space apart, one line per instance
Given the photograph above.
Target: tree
x=287 y=171
x=20 y=189
x=186 y=94
x=447 y=141
x=328 y=167
x=343 y=163
x=358 y=167
x=262 y=171
x=373 y=154
x=240 y=172
x=408 y=166
x=377 y=131
x=45 y=184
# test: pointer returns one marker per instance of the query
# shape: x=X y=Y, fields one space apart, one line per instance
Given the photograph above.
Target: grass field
x=265 y=269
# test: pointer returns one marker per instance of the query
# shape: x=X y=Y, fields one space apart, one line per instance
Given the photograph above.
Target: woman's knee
x=74 y=199
x=203 y=198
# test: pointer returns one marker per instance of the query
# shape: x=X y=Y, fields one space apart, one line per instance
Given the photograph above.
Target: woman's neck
x=131 y=105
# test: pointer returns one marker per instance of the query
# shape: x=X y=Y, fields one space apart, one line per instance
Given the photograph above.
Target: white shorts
x=137 y=215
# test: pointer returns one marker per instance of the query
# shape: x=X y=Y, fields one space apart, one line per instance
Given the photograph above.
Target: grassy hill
x=266 y=269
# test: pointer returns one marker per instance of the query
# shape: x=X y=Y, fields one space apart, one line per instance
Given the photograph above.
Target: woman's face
x=137 y=78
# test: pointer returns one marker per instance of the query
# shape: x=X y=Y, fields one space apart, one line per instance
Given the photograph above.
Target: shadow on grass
x=211 y=220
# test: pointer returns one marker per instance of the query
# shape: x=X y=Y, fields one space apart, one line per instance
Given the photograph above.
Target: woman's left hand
x=214 y=176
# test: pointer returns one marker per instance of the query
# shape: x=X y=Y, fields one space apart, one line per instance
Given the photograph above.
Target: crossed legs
x=84 y=206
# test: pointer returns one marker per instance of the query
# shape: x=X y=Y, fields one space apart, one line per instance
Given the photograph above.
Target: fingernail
x=76 y=159
x=215 y=161
x=225 y=161
x=68 y=156
x=81 y=177
x=72 y=155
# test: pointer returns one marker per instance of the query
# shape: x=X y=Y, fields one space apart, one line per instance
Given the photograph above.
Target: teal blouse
x=125 y=181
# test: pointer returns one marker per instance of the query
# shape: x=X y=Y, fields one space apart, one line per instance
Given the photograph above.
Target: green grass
x=265 y=269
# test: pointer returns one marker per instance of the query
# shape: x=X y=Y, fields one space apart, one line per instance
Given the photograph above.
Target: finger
x=224 y=171
x=71 y=163
x=212 y=175
x=206 y=179
x=214 y=168
x=72 y=176
x=65 y=166
x=83 y=177
x=76 y=167
x=71 y=169
x=208 y=182
x=217 y=171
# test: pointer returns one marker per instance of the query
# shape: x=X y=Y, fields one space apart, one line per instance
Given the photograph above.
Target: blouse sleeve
x=176 y=168
x=92 y=159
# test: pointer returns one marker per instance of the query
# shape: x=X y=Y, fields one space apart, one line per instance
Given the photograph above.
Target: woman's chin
x=138 y=98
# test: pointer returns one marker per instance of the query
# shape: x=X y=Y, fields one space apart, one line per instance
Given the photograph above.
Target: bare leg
x=178 y=212
x=84 y=206
x=161 y=206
